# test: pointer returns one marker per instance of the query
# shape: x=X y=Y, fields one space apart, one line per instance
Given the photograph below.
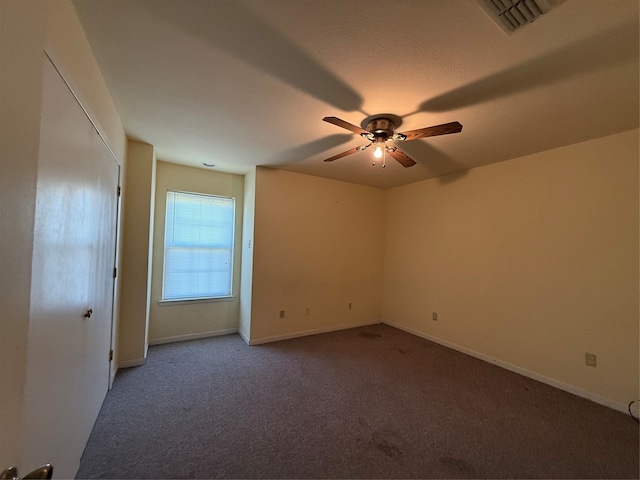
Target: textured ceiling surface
x=238 y=83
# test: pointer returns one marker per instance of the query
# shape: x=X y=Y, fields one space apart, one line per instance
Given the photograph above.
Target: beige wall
x=318 y=245
x=135 y=274
x=532 y=262
x=27 y=27
x=184 y=320
x=68 y=47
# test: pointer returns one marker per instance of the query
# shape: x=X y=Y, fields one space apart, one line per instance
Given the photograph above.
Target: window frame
x=196 y=299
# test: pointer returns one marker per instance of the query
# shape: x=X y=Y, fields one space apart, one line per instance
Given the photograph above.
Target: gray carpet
x=371 y=402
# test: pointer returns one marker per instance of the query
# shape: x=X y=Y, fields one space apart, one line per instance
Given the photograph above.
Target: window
x=198 y=246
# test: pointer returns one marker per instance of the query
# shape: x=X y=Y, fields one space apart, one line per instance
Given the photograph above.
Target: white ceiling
x=241 y=83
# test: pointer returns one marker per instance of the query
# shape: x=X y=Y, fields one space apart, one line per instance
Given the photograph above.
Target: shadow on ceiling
x=607 y=50
x=231 y=27
x=436 y=163
x=307 y=150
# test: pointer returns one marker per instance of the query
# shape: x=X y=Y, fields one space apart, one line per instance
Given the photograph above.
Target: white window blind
x=198 y=246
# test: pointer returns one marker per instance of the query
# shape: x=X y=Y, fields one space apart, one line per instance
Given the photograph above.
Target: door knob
x=88 y=313
x=10 y=473
x=44 y=472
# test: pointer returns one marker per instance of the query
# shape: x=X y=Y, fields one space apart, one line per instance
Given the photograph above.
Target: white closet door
x=72 y=283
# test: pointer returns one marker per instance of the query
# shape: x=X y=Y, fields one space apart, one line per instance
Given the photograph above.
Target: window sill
x=165 y=303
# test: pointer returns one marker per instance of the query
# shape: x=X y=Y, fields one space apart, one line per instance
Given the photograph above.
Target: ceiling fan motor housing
x=381 y=127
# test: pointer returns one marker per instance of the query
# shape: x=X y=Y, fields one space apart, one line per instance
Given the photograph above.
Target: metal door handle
x=88 y=313
x=44 y=472
x=10 y=473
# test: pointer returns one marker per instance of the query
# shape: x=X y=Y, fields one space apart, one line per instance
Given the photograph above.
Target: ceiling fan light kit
x=379 y=151
x=380 y=129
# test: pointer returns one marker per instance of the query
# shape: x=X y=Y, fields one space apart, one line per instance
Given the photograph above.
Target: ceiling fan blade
x=444 y=129
x=344 y=154
x=349 y=126
x=402 y=158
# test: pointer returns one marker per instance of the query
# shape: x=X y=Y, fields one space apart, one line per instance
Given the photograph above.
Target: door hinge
x=119 y=190
x=110 y=355
x=115 y=272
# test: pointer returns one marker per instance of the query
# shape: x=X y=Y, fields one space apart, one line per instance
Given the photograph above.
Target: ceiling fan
x=379 y=129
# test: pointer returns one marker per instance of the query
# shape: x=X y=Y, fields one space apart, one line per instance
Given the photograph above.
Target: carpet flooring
x=370 y=402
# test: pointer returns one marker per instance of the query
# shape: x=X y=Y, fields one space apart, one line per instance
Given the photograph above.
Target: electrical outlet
x=590 y=359
x=435 y=317
x=307 y=311
x=281 y=313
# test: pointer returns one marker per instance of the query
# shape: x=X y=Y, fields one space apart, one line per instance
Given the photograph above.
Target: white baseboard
x=192 y=336
x=607 y=402
x=136 y=362
x=113 y=376
x=305 y=333
x=244 y=336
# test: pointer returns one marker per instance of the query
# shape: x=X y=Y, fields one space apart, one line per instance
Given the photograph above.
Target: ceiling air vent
x=513 y=14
